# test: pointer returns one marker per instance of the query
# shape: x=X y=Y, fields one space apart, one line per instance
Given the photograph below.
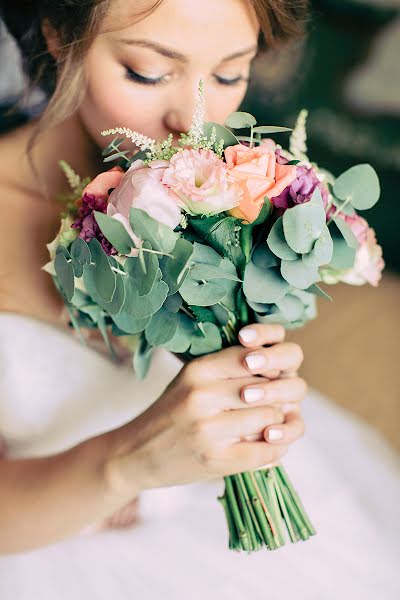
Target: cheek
x=223 y=102
x=120 y=103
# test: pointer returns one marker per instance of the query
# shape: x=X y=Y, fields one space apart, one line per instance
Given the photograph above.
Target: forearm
x=43 y=500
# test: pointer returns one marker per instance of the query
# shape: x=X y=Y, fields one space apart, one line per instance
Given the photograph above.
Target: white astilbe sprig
x=195 y=135
x=298 y=139
x=73 y=178
x=144 y=142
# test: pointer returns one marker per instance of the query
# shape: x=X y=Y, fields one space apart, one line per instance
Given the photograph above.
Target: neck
x=68 y=141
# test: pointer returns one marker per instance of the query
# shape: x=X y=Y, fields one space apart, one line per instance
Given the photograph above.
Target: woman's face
x=146 y=76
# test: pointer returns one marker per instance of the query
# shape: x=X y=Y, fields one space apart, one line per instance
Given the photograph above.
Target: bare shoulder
x=26 y=225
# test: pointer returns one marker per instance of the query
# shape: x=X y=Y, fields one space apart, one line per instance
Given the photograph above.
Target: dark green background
x=340 y=37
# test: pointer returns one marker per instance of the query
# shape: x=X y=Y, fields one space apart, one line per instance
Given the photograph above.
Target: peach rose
x=100 y=185
x=258 y=175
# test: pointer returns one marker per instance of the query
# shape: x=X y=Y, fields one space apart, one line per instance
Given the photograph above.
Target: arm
x=43 y=500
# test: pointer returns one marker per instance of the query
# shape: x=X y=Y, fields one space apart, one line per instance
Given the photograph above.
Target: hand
x=199 y=427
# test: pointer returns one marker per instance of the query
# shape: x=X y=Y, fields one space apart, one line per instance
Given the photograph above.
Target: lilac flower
x=301 y=188
x=87 y=223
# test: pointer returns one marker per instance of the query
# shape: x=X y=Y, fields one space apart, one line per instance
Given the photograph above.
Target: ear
x=52 y=39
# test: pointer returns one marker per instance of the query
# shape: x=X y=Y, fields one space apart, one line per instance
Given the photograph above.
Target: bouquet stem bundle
x=260 y=506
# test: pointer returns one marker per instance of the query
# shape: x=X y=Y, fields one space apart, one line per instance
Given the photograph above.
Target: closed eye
x=133 y=76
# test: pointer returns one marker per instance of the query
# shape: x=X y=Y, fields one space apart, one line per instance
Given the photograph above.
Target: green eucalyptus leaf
x=222 y=133
x=173 y=303
x=103 y=277
x=219 y=233
x=202 y=294
x=263 y=257
x=270 y=129
x=65 y=274
x=175 y=268
x=143 y=306
x=162 y=327
x=182 y=338
x=315 y=289
x=142 y=357
x=343 y=256
x=345 y=208
x=80 y=251
x=205 y=254
x=201 y=271
x=210 y=342
x=129 y=324
x=203 y=314
x=145 y=272
x=346 y=232
x=321 y=254
x=291 y=307
x=221 y=314
x=303 y=223
x=114 y=232
x=277 y=242
x=359 y=184
x=239 y=120
x=264 y=285
x=116 y=302
x=160 y=236
x=298 y=274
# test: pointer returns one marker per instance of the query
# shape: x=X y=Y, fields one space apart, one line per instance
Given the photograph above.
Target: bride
x=108 y=484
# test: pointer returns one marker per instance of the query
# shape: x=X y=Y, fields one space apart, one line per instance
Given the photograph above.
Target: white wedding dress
x=54 y=393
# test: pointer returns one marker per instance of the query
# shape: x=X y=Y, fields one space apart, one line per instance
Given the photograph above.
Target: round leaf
x=115 y=232
x=265 y=286
x=239 y=120
x=298 y=274
x=162 y=327
x=210 y=342
x=202 y=294
x=359 y=184
x=303 y=224
x=277 y=242
x=65 y=274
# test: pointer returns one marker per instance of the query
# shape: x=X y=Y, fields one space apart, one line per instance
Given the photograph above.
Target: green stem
x=233 y=505
x=338 y=210
x=267 y=485
x=259 y=511
x=286 y=516
x=282 y=473
x=234 y=543
x=245 y=511
x=294 y=513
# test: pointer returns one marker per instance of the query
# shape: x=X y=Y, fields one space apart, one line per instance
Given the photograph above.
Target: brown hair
x=78 y=21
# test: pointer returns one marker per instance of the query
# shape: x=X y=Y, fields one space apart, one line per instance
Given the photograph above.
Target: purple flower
x=87 y=223
x=300 y=190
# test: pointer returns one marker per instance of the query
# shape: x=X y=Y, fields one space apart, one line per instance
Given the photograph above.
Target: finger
x=284 y=390
x=288 y=432
x=249 y=456
x=237 y=424
x=285 y=356
x=224 y=364
x=259 y=334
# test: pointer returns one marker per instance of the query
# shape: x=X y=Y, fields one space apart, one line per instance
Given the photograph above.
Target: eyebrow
x=174 y=54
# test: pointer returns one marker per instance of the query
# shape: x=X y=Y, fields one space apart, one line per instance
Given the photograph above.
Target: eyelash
x=133 y=76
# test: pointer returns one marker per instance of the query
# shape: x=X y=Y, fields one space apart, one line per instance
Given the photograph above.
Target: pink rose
x=201 y=181
x=368 y=265
x=258 y=174
x=357 y=224
x=141 y=187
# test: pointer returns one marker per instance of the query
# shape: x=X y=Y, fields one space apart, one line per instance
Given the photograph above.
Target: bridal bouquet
x=181 y=246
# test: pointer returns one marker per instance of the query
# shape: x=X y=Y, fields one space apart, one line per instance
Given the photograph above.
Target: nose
x=181 y=109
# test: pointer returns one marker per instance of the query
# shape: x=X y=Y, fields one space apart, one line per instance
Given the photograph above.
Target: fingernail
x=256 y=361
x=248 y=335
x=253 y=394
x=288 y=407
x=275 y=434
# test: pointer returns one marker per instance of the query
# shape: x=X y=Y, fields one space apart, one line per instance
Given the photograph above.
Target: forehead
x=218 y=26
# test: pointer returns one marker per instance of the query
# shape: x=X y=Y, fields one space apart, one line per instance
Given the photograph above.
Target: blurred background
x=347 y=74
